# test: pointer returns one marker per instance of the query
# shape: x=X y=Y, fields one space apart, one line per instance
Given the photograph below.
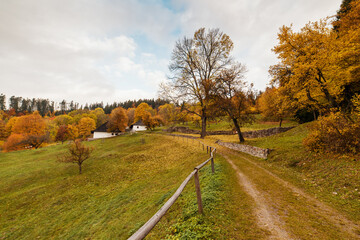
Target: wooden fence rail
x=150 y=224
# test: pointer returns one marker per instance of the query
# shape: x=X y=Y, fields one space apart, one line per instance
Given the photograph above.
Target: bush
x=337 y=133
x=14 y=142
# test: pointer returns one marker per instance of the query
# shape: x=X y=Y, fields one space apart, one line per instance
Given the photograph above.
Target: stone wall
x=254 y=151
x=182 y=130
x=265 y=132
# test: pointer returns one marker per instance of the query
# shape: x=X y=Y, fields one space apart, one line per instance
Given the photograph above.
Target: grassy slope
x=224 y=124
x=334 y=179
x=123 y=184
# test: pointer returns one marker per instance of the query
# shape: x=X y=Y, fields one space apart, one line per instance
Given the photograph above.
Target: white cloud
x=105 y=50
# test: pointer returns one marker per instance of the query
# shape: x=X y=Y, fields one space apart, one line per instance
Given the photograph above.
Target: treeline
x=31 y=130
x=20 y=105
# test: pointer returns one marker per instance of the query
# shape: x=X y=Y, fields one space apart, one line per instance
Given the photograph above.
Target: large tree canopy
x=195 y=64
x=319 y=66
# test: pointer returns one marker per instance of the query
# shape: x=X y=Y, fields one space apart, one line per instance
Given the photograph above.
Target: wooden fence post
x=198 y=192
x=212 y=165
x=210 y=150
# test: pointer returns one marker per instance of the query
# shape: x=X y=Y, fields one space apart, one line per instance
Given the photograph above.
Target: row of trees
x=33 y=130
x=19 y=105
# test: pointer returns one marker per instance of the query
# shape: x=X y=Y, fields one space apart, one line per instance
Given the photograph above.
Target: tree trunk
x=79 y=168
x=237 y=127
x=280 y=122
x=203 y=127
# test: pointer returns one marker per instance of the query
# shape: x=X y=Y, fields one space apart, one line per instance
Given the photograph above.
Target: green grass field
x=225 y=125
x=123 y=184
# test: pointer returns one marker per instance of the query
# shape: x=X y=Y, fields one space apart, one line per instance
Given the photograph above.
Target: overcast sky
x=115 y=50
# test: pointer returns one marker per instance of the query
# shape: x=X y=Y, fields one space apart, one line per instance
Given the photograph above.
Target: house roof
x=139 y=123
x=104 y=128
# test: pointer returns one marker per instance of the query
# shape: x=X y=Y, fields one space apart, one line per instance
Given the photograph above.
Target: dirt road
x=286 y=211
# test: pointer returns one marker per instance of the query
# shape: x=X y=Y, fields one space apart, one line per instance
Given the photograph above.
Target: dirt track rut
x=268 y=204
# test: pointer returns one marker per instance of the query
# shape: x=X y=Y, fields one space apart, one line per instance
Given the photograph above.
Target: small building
x=102 y=132
x=138 y=126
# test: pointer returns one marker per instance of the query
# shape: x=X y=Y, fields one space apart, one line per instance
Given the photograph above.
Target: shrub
x=337 y=133
x=14 y=142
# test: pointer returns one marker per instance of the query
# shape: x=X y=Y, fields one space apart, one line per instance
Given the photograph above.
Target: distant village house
x=102 y=132
x=138 y=126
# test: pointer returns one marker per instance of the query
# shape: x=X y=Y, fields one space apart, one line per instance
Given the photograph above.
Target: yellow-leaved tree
x=85 y=126
x=273 y=105
x=147 y=115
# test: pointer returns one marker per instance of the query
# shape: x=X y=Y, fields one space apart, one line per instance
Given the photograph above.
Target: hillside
x=123 y=184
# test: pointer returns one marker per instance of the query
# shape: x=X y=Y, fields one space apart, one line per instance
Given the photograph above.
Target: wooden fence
x=150 y=224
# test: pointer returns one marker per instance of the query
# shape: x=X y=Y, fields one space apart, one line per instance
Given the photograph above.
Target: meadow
x=123 y=184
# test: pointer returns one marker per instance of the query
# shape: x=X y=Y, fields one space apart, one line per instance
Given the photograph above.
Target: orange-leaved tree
x=14 y=142
x=33 y=129
x=32 y=124
x=118 y=120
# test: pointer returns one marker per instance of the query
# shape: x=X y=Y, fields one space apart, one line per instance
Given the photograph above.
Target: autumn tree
x=195 y=63
x=3 y=133
x=63 y=120
x=274 y=106
x=73 y=132
x=101 y=117
x=131 y=115
x=78 y=153
x=36 y=141
x=32 y=124
x=306 y=65
x=347 y=51
x=141 y=111
x=167 y=112
x=85 y=126
x=118 y=120
x=147 y=115
x=33 y=129
x=319 y=67
x=231 y=96
x=14 y=142
x=62 y=134
x=9 y=125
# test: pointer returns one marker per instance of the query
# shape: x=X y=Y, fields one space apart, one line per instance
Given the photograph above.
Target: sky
x=117 y=50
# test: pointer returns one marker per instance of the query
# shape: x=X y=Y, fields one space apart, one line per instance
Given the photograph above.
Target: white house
x=138 y=126
x=102 y=132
